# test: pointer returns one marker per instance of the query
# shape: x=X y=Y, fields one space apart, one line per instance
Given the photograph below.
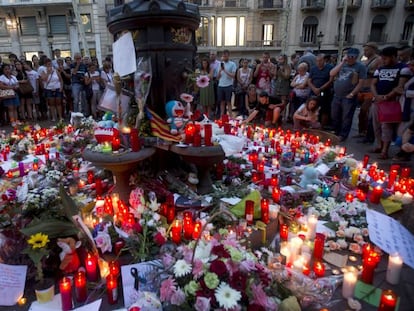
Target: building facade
x=245 y=27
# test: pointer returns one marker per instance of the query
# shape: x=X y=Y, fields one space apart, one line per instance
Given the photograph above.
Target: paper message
x=391 y=236
x=125 y=61
x=12 y=282
x=109 y=101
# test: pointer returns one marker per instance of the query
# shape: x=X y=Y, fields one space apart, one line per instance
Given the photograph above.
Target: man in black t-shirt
x=268 y=109
x=78 y=69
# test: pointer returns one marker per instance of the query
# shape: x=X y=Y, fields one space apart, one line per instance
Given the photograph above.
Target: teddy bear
x=69 y=259
x=176 y=116
x=309 y=177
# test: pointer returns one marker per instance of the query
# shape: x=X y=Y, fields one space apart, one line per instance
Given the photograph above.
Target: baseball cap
x=371 y=45
x=352 y=52
x=263 y=94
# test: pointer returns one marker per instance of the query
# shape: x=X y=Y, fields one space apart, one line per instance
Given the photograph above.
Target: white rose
x=103 y=241
x=342 y=243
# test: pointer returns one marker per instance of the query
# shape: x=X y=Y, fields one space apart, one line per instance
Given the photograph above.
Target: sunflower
x=38 y=240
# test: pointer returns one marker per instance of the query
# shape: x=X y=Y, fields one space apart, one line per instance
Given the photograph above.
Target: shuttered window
x=57 y=24
x=28 y=26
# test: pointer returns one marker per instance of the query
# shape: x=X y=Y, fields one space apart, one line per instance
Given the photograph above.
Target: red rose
x=218 y=267
x=159 y=239
x=220 y=251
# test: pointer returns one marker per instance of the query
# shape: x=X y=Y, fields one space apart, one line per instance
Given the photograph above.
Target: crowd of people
x=50 y=88
x=320 y=91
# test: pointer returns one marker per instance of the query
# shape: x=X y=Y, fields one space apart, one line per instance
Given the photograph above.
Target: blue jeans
x=342 y=113
x=79 y=98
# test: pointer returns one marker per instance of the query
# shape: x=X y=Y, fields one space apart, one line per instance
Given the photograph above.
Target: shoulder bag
x=25 y=88
x=7 y=94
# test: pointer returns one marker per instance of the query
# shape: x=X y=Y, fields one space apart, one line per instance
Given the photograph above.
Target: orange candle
x=80 y=286
x=65 y=289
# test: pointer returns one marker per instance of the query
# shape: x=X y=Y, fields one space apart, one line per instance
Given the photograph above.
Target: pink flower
x=167 y=289
x=333 y=245
x=198 y=268
x=355 y=247
x=202 y=81
x=358 y=238
x=202 y=304
x=103 y=241
x=186 y=97
x=365 y=231
x=260 y=298
x=178 y=297
x=247 y=266
x=340 y=233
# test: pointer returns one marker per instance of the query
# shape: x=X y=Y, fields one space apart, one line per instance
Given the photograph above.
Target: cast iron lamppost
x=50 y=41
x=319 y=38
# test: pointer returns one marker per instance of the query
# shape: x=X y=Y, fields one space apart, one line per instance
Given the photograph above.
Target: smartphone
x=222 y=65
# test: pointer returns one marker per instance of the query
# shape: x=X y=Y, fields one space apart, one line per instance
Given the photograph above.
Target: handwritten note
x=125 y=61
x=391 y=236
x=12 y=282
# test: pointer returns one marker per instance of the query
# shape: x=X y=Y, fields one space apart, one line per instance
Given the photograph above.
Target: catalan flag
x=160 y=128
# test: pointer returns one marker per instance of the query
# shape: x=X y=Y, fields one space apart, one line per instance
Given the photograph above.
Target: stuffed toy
x=176 y=116
x=309 y=177
x=69 y=260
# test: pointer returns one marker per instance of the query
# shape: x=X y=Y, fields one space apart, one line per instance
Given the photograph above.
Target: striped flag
x=160 y=128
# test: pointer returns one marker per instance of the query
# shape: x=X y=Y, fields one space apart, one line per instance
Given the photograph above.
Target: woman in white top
x=244 y=78
x=53 y=86
x=93 y=81
x=8 y=81
x=106 y=74
x=301 y=89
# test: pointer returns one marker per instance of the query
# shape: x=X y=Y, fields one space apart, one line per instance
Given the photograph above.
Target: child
x=307 y=115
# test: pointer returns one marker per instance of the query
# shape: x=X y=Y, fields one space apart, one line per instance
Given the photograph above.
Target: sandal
x=383 y=156
x=376 y=150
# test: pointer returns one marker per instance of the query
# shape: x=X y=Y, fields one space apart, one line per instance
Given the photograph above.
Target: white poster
x=124 y=59
x=12 y=282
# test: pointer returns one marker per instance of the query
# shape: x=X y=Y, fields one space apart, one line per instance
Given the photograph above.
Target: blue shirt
x=320 y=76
x=348 y=78
x=80 y=75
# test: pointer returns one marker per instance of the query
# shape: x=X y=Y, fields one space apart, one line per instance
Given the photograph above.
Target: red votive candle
x=176 y=229
x=91 y=267
x=264 y=207
x=80 y=286
x=134 y=140
x=65 y=289
x=276 y=195
x=188 y=225
x=116 y=143
x=388 y=301
x=368 y=267
x=170 y=213
x=197 y=140
x=319 y=245
x=208 y=133
x=365 y=161
x=98 y=186
x=112 y=289
x=227 y=128
x=249 y=211
x=283 y=232
x=119 y=245
x=376 y=195
x=392 y=177
x=113 y=267
x=405 y=172
x=197 y=230
x=349 y=197
x=319 y=269
x=189 y=133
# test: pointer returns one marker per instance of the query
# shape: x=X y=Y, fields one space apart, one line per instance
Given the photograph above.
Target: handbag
x=7 y=94
x=389 y=112
x=25 y=88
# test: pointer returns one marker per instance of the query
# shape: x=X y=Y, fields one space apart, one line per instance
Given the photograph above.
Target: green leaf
x=333 y=225
x=52 y=227
x=69 y=206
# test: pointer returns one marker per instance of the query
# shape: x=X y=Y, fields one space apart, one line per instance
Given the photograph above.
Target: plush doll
x=309 y=177
x=69 y=260
x=175 y=115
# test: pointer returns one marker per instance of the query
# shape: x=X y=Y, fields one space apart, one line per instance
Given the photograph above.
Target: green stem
x=39 y=269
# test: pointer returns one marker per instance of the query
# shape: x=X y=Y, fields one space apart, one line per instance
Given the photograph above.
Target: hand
x=350 y=96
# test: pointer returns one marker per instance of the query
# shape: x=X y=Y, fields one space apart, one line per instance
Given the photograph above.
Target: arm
x=251 y=116
x=356 y=88
x=335 y=70
x=298 y=116
x=246 y=102
x=61 y=81
x=374 y=89
x=286 y=71
x=88 y=78
x=256 y=71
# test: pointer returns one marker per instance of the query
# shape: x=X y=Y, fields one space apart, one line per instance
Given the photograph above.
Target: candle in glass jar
x=319 y=269
x=348 y=285
x=349 y=197
x=91 y=267
x=176 y=229
x=116 y=143
x=264 y=206
x=376 y=195
x=318 y=246
x=312 y=222
x=249 y=211
x=65 y=289
x=368 y=267
x=113 y=267
x=134 y=140
x=80 y=286
x=392 y=177
x=405 y=172
x=365 y=161
x=394 y=267
x=188 y=225
x=283 y=232
x=276 y=195
x=112 y=289
x=388 y=300
x=208 y=131
x=197 y=230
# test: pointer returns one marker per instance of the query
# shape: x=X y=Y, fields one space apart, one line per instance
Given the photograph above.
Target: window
x=408 y=28
x=57 y=24
x=219 y=31
x=377 y=29
x=3 y=27
x=86 y=22
x=202 y=32
x=348 y=29
x=310 y=25
x=267 y=34
x=242 y=24
x=28 y=26
x=230 y=31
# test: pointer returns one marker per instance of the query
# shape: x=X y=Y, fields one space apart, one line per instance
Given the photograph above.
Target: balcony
x=382 y=39
x=312 y=5
x=348 y=41
x=382 y=4
x=409 y=4
x=269 y=5
x=264 y=44
x=13 y=3
x=304 y=43
x=351 y=4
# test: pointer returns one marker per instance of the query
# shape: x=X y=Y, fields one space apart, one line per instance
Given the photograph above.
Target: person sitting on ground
x=307 y=115
x=407 y=145
x=268 y=109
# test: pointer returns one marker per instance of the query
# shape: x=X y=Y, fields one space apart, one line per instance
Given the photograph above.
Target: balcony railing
x=382 y=4
x=302 y=42
x=352 y=4
x=348 y=41
x=32 y=2
x=264 y=44
x=312 y=5
x=270 y=4
x=380 y=40
x=409 y=4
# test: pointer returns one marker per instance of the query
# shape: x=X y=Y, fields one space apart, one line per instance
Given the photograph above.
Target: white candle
x=295 y=245
x=348 y=286
x=406 y=198
x=298 y=265
x=395 y=263
x=312 y=222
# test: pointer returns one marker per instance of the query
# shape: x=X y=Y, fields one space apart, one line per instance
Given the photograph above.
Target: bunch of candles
x=185 y=225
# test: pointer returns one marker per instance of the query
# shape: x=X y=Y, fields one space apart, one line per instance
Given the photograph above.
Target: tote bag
x=389 y=112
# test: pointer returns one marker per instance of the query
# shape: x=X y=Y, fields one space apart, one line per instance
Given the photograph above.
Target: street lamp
x=319 y=37
x=50 y=41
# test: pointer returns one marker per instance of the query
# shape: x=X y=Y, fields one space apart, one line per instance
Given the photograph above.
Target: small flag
x=160 y=128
